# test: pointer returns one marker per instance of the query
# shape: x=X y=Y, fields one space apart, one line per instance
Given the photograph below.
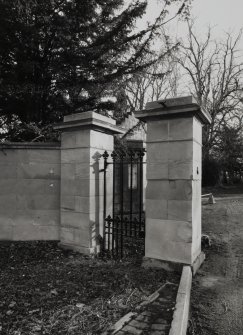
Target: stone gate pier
x=85 y=137
x=173 y=194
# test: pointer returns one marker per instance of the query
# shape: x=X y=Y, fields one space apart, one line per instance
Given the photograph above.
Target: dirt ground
x=48 y=291
x=217 y=294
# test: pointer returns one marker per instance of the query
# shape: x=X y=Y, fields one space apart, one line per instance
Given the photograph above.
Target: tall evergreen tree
x=64 y=56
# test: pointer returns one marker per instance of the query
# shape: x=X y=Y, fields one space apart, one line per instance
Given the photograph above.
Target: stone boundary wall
x=29 y=191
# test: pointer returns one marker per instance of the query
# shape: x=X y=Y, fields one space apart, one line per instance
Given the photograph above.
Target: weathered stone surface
x=29 y=192
x=77 y=187
x=27 y=232
x=168 y=240
x=88 y=116
x=197 y=130
x=177 y=252
x=38 y=171
x=180 y=210
x=180 y=129
x=158 y=171
x=8 y=204
x=179 y=169
x=75 y=155
x=82 y=184
x=37 y=186
x=76 y=220
x=169 y=189
x=76 y=139
x=86 y=138
x=174 y=230
x=181 y=151
x=68 y=171
x=173 y=108
x=197 y=152
x=101 y=141
x=37 y=201
x=6 y=231
x=7 y=186
x=196 y=189
x=157 y=209
x=173 y=195
x=8 y=171
x=158 y=131
x=38 y=156
x=76 y=236
x=8 y=156
x=37 y=217
x=158 y=152
x=171 y=102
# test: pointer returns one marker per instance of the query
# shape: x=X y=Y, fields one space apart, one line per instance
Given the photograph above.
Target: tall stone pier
x=85 y=137
x=173 y=193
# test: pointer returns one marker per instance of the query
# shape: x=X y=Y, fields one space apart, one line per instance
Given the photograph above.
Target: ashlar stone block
x=178 y=170
x=158 y=171
x=170 y=239
x=101 y=141
x=197 y=130
x=158 y=131
x=180 y=210
x=180 y=151
x=28 y=232
x=8 y=157
x=181 y=129
x=38 y=156
x=8 y=171
x=169 y=189
x=37 y=201
x=76 y=236
x=158 y=152
x=7 y=186
x=6 y=231
x=156 y=209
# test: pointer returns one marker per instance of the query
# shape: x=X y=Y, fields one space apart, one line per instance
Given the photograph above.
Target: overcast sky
x=223 y=15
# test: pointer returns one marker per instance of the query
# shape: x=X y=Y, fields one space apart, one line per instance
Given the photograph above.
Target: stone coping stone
x=172 y=102
x=88 y=115
x=89 y=120
x=171 y=108
x=30 y=145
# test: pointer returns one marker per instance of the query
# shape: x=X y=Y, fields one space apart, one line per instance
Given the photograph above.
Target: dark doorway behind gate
x=124 y=226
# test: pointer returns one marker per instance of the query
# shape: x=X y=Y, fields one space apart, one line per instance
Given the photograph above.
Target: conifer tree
x=64 y=56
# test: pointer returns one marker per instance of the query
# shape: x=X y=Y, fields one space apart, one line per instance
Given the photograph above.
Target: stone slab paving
x=152 y=317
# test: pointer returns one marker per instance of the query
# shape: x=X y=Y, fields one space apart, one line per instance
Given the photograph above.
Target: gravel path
x=217 y=294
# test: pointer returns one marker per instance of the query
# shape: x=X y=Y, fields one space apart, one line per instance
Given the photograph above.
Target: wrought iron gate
x=124 y=227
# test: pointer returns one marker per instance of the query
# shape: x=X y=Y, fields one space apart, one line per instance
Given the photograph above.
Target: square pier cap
x=89 y=120
x=174 y=108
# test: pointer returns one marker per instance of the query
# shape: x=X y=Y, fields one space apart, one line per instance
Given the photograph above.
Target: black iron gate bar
x=118 y=225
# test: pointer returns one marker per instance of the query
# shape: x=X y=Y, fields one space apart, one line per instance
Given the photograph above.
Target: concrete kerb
x=181 y=313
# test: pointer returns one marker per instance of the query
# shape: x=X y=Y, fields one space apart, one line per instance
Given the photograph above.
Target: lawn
x=46 y=290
